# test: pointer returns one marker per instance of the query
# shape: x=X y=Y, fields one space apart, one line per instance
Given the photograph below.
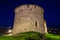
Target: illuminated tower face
x=28 y=18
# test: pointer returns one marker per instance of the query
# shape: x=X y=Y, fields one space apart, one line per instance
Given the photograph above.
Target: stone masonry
x=28 y=18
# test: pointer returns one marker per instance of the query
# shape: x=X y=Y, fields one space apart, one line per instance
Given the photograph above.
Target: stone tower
x=28 y=18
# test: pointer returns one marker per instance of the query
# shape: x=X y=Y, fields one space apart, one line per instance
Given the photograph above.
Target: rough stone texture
x=45 y=25
x=28 y=18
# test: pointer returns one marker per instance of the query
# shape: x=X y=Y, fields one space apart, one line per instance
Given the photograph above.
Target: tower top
x=30 y=7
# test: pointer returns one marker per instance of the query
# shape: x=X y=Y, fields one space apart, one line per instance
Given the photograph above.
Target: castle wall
x=28 y=18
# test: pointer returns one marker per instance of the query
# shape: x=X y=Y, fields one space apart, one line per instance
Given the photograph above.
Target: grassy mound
x=23 y=36
x=52 y=37
x=30 y=36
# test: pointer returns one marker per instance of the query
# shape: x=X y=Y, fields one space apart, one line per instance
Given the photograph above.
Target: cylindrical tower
x=28 y=18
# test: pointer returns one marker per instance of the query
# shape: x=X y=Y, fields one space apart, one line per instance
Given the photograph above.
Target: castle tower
x=28 y=18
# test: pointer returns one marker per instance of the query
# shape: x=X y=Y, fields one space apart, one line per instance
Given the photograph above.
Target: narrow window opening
x=30 y=9
x=27 y=6
x=21 y=10
x=35 y=7
x=19 y=19
x=36 y=24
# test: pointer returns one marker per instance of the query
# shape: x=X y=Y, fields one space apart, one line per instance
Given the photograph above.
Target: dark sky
x=51 y=14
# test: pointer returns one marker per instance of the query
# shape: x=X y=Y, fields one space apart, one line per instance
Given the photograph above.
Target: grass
x=23 y=36
x=30 y=36
x=52 y=37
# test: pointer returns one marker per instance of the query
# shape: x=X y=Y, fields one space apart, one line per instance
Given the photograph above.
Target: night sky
x=51 y=14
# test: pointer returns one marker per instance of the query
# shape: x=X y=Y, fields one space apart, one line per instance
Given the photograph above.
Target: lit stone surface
x=45 y=25
x=28 y=18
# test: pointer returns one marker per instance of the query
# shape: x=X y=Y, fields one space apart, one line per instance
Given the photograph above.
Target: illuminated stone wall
x=45 y=25
x=28 y=18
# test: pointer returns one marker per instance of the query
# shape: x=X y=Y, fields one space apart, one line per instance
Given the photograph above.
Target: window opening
x=36 y=24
